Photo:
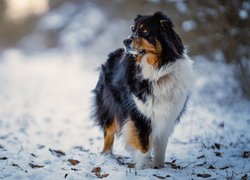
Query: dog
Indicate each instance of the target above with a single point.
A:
(143, 89)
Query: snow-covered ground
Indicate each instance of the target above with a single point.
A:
(45, 101)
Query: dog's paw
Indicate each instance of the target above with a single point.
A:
(140, 165)
(143, 163)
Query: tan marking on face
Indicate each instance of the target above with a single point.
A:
(153, 60)
(144, 44)
(133, 137)
(153, 51)
(109, 136)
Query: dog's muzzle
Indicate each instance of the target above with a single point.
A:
(129, 49)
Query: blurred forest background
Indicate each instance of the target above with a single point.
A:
(218, 30)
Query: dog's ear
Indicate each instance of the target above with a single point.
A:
(172, 46)
(163, 19)
(138, 17)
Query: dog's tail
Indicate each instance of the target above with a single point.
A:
(103, 107)
(100, 111)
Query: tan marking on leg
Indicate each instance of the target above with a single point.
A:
(133, 137)
(109, 137)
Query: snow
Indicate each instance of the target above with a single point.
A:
(45, 101)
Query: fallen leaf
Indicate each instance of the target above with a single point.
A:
(168, 176)
(103, 176)
(120, 161)
(160, 177)
(173, 161)
(173, 165)
(3, 158)
(40, 146)
(5, 136)
(204, 175)
(211, 167)
(218, 154)
(65, 175)
(34, 166)
(200, 157)
(244, 177)
(96, 169)
(74, 169)
(16, 165)
(225, 167)
(33, 155)
(57, 153)
(202, 164)
(73, 161)
(80, 148)
(131, 165)
(246, 154)
(98, 174)
(217, 145)
(221, 125)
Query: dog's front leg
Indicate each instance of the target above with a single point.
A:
(142, 160)
(159, 150)
(138, 140)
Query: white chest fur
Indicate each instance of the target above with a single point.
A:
(171, 85)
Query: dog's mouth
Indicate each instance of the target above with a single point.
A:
(129, 49)
(133, 51)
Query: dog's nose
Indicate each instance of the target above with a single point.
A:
(127, 41)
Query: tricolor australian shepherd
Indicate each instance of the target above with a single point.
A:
(143, 89)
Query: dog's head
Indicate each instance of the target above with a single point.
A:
(154, 35)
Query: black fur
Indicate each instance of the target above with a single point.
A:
(113, 97)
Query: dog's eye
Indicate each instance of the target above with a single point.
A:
(145, 32)
(132, 27)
